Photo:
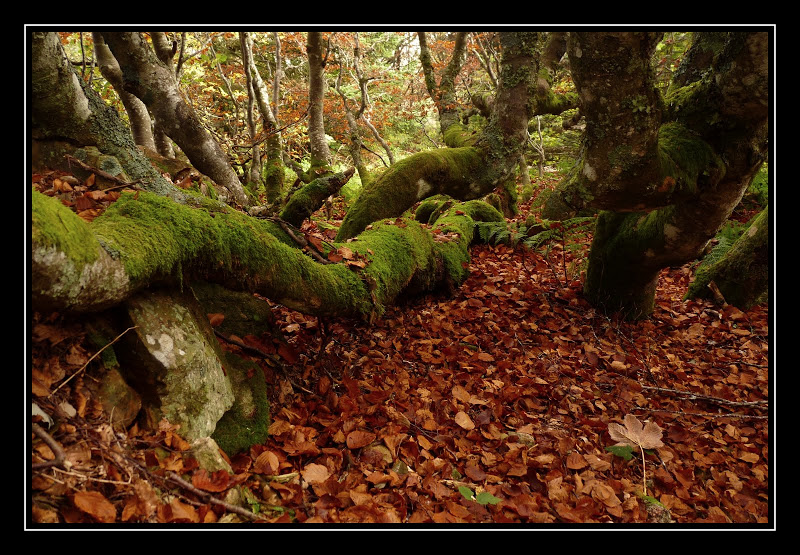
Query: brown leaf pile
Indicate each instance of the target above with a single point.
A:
(510, 387)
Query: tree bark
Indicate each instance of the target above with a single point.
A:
(141, 124)
(254, 174)
(443, 93)
(274, 178)
(678, 166)
(154, 83)
(318, 144)
(67, 113)
(742, 275)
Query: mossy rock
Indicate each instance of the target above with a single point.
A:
(247, 422)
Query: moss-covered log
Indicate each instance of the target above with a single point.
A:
(742, 274)
(144, 239)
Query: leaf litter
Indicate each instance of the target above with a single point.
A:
(496, 404)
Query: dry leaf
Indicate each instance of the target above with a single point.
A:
(216, 481)
(463, 420)
(216, 319)
(96, 505)
(315, 473)
(267, 463)
(635, 434)
(357, 439)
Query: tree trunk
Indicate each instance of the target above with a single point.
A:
(320, 154)
(274, 177)
(679, 165)
(742, 275)
(141, 124)
(154, 83)
(254, 174)
(443, 94)
(66, 114)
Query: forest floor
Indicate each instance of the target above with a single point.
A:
(488, 405)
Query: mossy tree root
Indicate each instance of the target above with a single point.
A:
(144, 239)
(456, 172)
(310, 197)
(742, 274)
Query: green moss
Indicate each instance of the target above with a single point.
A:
(395, 253)
(613, 281)
(451, 171)
(247, 422)
(459, 135)
(740, 271)
(427, 208)
(53, 224)
(685, 158)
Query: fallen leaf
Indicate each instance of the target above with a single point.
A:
(95, 505)
(463, 420)
(576, 461)
(216, 481)
(358, 438)
(215, 319)
(635, 434)
(315, 473)
(266, 463)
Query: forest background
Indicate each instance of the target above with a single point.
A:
(551, 465)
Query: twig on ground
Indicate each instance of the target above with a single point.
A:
(695, 396)
(207, 497)
(60, 457)
(94, 356)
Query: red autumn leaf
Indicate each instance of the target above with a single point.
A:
(287, 353)
(358, 438)
(218, 480)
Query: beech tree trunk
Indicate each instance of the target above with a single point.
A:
(443, 93)
(146, 76)
(141, 124)
(320, 154)
(669, 170)
(67, 114)
(274, 177)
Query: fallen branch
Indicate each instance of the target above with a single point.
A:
(208, 498)
(122, 183)
(708, 414)
(695, 396)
